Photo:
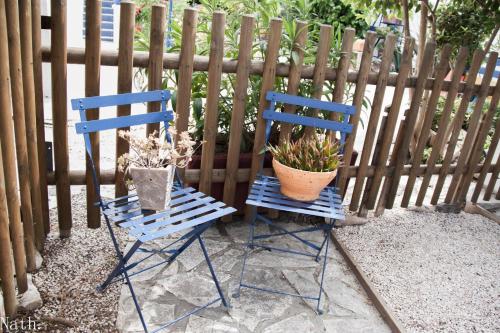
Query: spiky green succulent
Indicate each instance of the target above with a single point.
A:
(308, 154)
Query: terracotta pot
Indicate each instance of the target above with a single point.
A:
(154, 186)
(302, 185)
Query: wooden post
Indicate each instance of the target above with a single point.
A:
(59, 114)
(363, 209)
(30, 111)
(6, 271)
(342, 69)
(212, 106)
(296, 69)
(423, 73)
(487, 163)
(92, 88)
(186, 59)
(18, 107)
(477, 151)
(359, 93)
(371, 131)
(443, 123)
(392, 119)
(124, 85)
(238, 115)
(155, 67)
(40, 118)
(477, 59)
(9, 158)
(268, 76)
(472, 130)
(441, 71)
(320, 67)
(493, 181)
(387, 181)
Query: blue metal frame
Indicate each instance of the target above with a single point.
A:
(190, 211)
(265, 191)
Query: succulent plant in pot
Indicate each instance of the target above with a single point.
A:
(151, 165)
(305, 167)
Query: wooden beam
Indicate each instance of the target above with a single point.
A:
(379, 303)
(60, 114)
(107, 177)
(200, 64)
(92, 88)
(9, 158)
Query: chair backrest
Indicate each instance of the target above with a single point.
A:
(271, 114)
(86, 127)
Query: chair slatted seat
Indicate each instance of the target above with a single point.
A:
(189, 212)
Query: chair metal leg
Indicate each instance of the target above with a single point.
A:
(327, 237)
(214, 277)
(120, 267)
(247, 248)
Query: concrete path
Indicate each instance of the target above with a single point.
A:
(169, 292)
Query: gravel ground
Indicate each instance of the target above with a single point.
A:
(438, 272)
(71, 271)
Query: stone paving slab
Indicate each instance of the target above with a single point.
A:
(166, 293)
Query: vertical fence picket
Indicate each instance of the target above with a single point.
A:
(342, 69)
(359, 93)
(155, 66)
(92, 88)
(6, 271)
(411, 119)
(40, 118)
(185, 79)
(60, 114)
(477, 59)
(392, 118)
(124, 85)
(18, 107)
(430, 110)
(443, 123)
(30, 112)
(486, 163)
(294, 74)
(493, 181)
(268, 77)
(387, 181)
(320, 66)
(212, 106)
(371, 130)
(238, 114)
(477, 151)
(472, 129)
(9, 158)
(363, 209)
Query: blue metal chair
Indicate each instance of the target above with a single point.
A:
(190, 211)
(265, 191)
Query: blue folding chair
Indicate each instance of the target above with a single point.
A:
(189, 211)
(265, 191)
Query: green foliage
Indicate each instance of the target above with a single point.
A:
(371, 9)
(339, 14)
(264, 10)
(308, 154)
(465, 22)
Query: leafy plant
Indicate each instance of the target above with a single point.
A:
(264, 10)
(465, 22)
(308, 154)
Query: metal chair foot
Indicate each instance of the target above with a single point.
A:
(236, 294)
(320, 312)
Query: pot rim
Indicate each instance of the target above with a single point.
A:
(311, 172)
(144, 168)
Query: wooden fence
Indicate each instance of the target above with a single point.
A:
(390, 148)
